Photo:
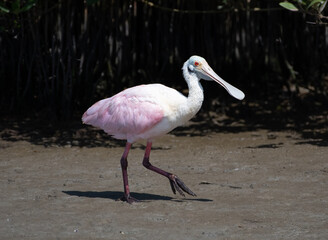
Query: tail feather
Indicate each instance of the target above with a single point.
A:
(91, 115)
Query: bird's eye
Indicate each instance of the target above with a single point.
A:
(196, 64)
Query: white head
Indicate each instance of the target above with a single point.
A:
(200, 67)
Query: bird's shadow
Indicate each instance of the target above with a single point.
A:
(116, 195)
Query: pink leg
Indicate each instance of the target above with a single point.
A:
(175, 182)
(124, 166)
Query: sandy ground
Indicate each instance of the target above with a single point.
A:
(257, 184)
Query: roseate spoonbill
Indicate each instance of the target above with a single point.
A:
(149, 111)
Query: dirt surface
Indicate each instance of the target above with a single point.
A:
(257, 184)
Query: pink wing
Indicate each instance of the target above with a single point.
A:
(124, 115)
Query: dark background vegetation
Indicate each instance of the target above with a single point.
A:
(59, 57)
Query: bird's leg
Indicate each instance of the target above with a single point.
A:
(124, 166)
(175, 182)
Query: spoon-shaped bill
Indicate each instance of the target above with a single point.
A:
(233, 91)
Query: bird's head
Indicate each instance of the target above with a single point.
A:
(200, 67)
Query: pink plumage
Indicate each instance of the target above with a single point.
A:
(126, 115)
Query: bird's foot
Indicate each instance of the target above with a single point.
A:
(127, 198)
(178, 185)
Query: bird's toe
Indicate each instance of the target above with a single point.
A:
(128, 199)
(178, 185)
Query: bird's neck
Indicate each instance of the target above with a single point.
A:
(196, 95)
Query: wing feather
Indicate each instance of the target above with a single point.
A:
(125, 115)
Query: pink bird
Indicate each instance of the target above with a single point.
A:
(146, 112)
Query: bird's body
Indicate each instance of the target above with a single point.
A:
(149, 111)
(145, 111)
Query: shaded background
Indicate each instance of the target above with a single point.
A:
(59, 57)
